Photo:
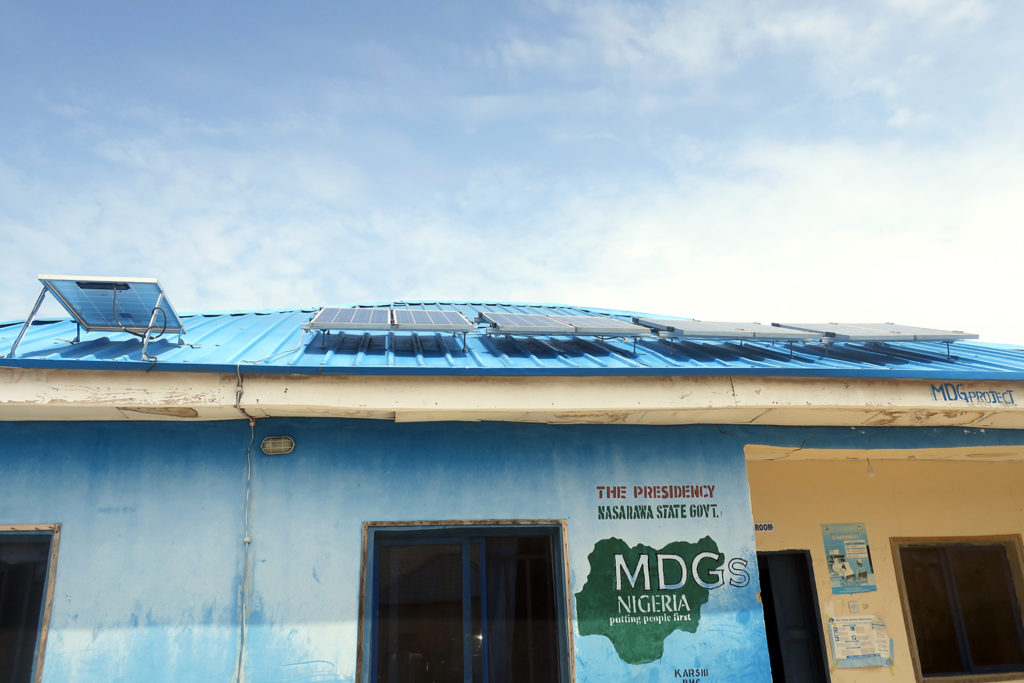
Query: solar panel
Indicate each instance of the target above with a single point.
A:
(426, 320)
(114, 303)
(704, 329)
(331, 318)
(601, 325)
(877, 332)
(524, 323)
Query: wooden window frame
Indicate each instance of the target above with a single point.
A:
(365, 625)
(1014, 545)
(51, 573)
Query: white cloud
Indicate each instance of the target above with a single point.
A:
(840, 49)
(945, 11)
(68, 111)
(904, 118)
(679, 41)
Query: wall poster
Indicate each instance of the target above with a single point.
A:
(849, 558)
(859, 641)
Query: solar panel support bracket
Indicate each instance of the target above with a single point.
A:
(146, 338)
(28, 321)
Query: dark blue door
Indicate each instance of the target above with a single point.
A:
(796, 644)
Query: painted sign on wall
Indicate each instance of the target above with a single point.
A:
(966, 394)
(637, 596)
(670, 581)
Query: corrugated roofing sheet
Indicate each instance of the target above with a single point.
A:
(274, 342)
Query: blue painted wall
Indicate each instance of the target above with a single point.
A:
(152, 563)
(149, 559)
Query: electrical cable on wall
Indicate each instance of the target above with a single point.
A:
(246, 537)
(247, 562)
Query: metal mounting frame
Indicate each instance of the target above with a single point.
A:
(146, 335)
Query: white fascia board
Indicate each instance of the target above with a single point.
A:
(36, 394)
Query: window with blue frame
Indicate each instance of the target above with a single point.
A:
(466, 604)
(26, 566)
(963, 599)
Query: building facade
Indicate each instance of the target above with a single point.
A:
(270, 502)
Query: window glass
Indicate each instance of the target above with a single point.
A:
(964, 607)
(23, 564)
(988, 604)
(476, 611)
(521, 615)
(930, 608)
(420, 613)
(474, 604)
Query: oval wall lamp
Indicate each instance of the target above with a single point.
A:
(278, 445)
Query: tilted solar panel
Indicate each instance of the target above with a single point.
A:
(114, 303)
(428, 320)
(705, 329)
(524, 323)
(601, 325)
(332, 318)
(877, 332)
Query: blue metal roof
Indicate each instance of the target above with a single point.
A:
(265, 342)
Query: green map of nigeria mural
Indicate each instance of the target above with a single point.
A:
(637, 596)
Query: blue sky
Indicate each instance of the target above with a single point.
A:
(760, 161)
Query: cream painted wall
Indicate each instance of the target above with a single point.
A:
(903, 499)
